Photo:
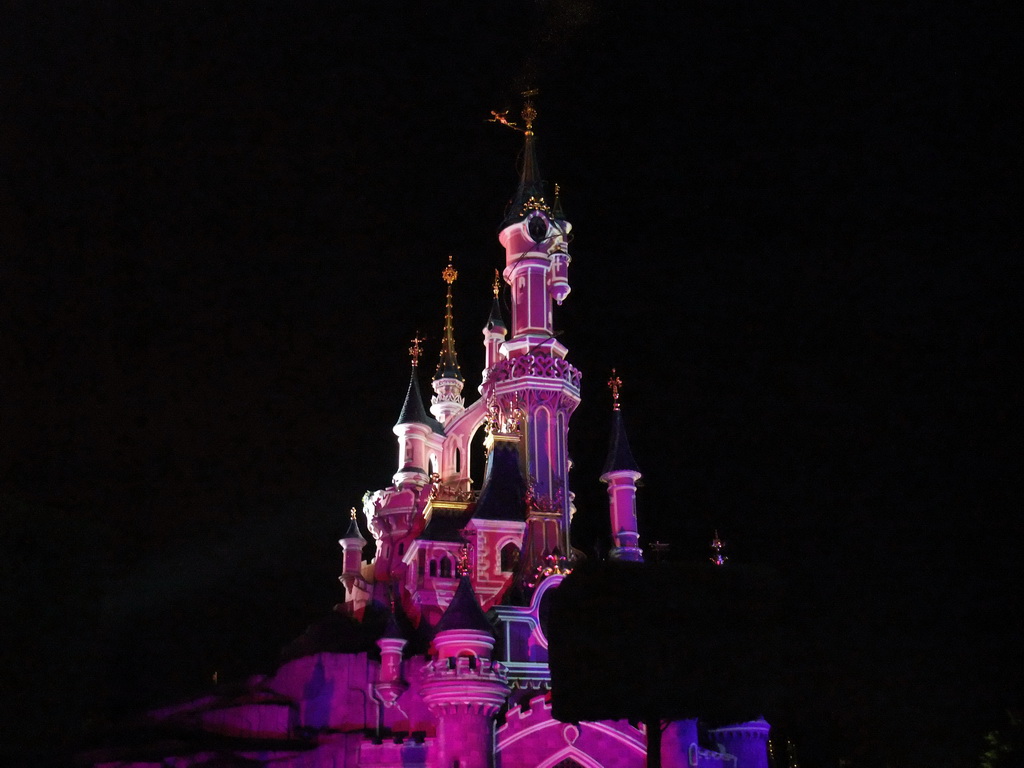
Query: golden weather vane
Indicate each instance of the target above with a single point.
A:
(529, 114)
(415, 350)
(613, 384)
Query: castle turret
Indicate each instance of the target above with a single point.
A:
(494, 333)
(463, 686)
(447, 401)
(621, 474)
(414, 430)
(390, 684)
(533, 380)
(352, 544)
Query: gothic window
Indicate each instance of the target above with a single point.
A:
(446, 568)
(509, 557)
(458, 460)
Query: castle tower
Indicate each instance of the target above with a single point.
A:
(621, 474)
(494, 333)
(534, 378)
(463, 686)
(390, 684)
(447, 401)
(352, 544)
(414, 430)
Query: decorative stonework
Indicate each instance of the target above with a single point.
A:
(537, 366)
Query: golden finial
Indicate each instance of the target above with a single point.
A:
(414, 350)
(352, 514)
(496, 287)
(450, 274)
(613, 384)
(462, 566)
(529, 113)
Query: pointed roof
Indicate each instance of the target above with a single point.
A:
(503, 496)
(413, 411)
(495, 322)
(464, 611)
(391, 629)
(353, 531)
(620, 457)
(448, 365)
(530, 192)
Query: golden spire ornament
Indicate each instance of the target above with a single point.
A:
(613, 384)
(450, 275)
(496, 287)
(415, 350)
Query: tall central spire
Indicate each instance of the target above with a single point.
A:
(530, 193)
(448, 365)
(448, 381)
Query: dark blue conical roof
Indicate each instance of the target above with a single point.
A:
(620, 457)
(464, 611)
(503, 496)
(413, 411)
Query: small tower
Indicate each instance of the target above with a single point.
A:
(448, 401)
(621, 474)
(390, 684)
(494, 333)
(352, 544)
(414, 430)
(463, 686)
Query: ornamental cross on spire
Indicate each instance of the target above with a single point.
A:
(613, 384)
(415, 350)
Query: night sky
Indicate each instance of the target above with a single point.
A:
(797, 240)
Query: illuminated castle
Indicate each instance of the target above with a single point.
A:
(438, 655)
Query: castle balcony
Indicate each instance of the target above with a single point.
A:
(536, 369)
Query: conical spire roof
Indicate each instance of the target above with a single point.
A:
(620, 457)
(413, 411)
(448, 365)
(530, 192)
(464, 611)
(503, 496)
(353, 531)
(495, 322)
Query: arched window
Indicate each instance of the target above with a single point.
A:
(433, 567)
(458, 460)
(509, 557)
(446, 568)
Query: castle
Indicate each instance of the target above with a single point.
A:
(438, 655)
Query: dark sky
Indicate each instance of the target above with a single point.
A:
(797, 239)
